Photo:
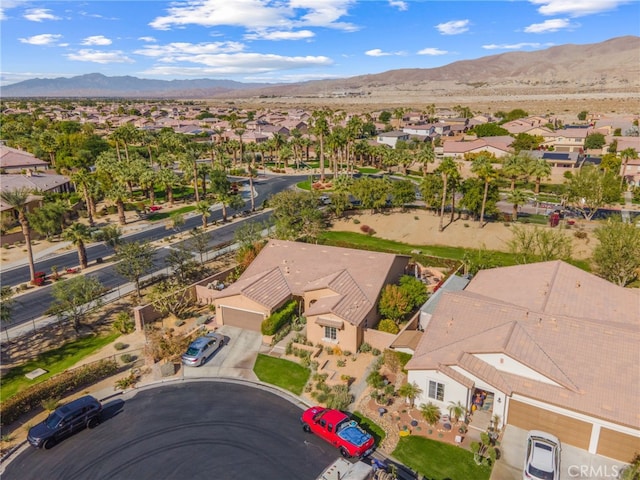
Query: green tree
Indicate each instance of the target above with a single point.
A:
(389, 326)
(385, 116)
(394, 303)
(450, 175)
(595, 141)
(372, 192)
(134, 260)
(617, 255)
(200, 242)
(484, 170)
(473, 197)
(17, 200)
(410, 391)
(539, 244)
(6, 303)
(626, 154)
(514, 167)
(516, 197)
(430, 188)
(319, 127)
(525, 141)
(403, 192)
(296, 215)
(74, 299)
(590, 189)
(538, 169)
(182, 265)
(202, 207)
(414, 289)
(78, 234)
(582, 116)
(171, 297)
(49, 219)
(490, 130)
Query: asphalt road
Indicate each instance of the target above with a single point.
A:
(34, 304)
(186, 431)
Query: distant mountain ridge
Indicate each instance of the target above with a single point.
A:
(612, 65)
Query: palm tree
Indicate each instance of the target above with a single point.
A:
(539, 169)
(456, 410)
(513, 167)
(202, 208)
(411, 391)
(17, 200)
(168, 179)
(626, 154)
(517, 197)
(482, 167)
(78, 233)
(320, 128)
(87, 183)
(430, 412)
(447, 169)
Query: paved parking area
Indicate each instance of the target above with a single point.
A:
(235, 359)
(575, 463)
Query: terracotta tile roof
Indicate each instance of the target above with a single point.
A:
(284, 268)
(14, 158)
(581, 343)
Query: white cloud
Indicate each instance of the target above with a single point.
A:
(42, 39)
(454, 27)
(432, 51)
(39, 15)
(576, 8)
(399, 4)
(8, 5)
(256, 14)
(280, 35)
(97, 56)
(515, 46)
(239, 63)
(96, 40)
(176, 51)
(147, 39)
(376, 52)
(552, 25)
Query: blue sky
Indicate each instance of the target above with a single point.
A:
(287, 40)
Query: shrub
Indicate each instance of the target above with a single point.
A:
(388, 326)
(55, 387)
(376, 352)
(581, 234)
(124, 323)
(365, 228)
(179, 322)
(356, 221)
(279, 318)
(341, 363)
(340, 397)
(127, 358)
(127, 382)
(365, 348)
(50, 404)
(120, 346)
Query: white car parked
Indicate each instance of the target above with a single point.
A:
(543, 457)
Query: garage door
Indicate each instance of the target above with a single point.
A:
(617, 445)
(568, 430)
(242, 318)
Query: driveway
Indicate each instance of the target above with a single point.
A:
(575, 463)
(235, 359)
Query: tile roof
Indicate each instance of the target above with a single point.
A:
(284, 268)
(578, 333)
(14, 158)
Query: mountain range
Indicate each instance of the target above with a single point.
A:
(609, 66)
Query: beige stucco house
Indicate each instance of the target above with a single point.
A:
(552, 347)
(337, 289)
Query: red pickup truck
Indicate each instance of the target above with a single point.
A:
(338, 429)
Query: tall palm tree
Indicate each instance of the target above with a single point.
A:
(168, 179)
(447, 170)
(202, 208)
(516, 197)
(17, 200)
(78, 233)
(484, 170)
(87, 183)
(513, 167)
(626, 155)
(539, 169)
(319, 127)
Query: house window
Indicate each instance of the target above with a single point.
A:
(436, 390)
(331, 333)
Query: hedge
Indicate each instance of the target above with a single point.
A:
(279, 318)
(58, 386)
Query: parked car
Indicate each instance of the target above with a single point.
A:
(543, 457)
(64, 421)
(202, 348)
(337, 428)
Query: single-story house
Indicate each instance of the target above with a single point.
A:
(548, 346)
(13, 160)
(338, 289)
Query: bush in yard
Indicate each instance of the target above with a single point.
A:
(120, 346)
(389, 326)
(127, 358)
(58, 386)
(340, 397)
(124, 323)
(365, 348)
(278, 319)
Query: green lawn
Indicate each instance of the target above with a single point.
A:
(160, 215)
(370, 426)
(380, 244)
(439, 461)
(54, 361)
(281, 373)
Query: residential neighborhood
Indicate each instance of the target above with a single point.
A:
(468, 347)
